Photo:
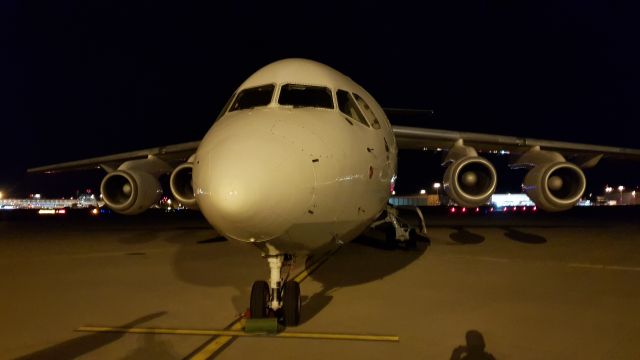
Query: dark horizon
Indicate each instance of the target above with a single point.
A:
(86, 80)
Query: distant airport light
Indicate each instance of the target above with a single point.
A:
(621, 188)
(535, 208)
(393, 192)
(36, 196)
(608, 189)
(633, 193)
(464, 210)
(94, 212)
(453, 210)
(1, 194)
(423, 191)
(477, 209)
(436, 186)
(46, 211)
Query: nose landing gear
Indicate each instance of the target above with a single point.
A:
(280, 297)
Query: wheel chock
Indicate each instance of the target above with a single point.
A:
(261, 326)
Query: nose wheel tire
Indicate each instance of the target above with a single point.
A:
(259, 305)
(291, 303)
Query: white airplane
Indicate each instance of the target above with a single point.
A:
(301, 156)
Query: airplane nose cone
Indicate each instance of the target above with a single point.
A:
(253, 189)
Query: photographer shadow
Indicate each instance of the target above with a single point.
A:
(474, 349)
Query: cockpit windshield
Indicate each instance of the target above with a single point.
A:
(305, 96)
(253, 97)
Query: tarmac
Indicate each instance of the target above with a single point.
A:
(523, 285)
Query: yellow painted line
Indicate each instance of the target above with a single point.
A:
(232, 333)
(219, 342)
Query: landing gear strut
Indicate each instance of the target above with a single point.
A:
(397, 231)
(279, 297)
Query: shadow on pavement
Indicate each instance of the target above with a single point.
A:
(465, 237)
(473, 350)
(85, 344)
(523, 237)
(361, 261)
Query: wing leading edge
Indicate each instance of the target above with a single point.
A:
(420, 138)
(172, 154)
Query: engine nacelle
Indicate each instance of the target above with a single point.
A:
(181, 183)
(134, 186)
(555, 186)
(130, 192)
(470, 181)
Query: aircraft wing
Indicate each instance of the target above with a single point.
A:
(171, 154)
(420, 138)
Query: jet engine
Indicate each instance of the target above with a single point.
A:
(553, 183)
(134, 186)
(181, 185)
(469, 180)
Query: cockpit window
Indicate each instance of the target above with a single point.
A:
(348, 107)
(226, 106)
(305, 96)
(253, 97)
(368, 112)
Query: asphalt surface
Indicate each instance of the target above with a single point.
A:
(532, 286)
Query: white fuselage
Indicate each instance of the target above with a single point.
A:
(297, 177)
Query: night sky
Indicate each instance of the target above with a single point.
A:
(89, 78)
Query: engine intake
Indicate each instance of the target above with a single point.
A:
(470, 181)
(130, 192)
(181, 183)
(556, 186)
